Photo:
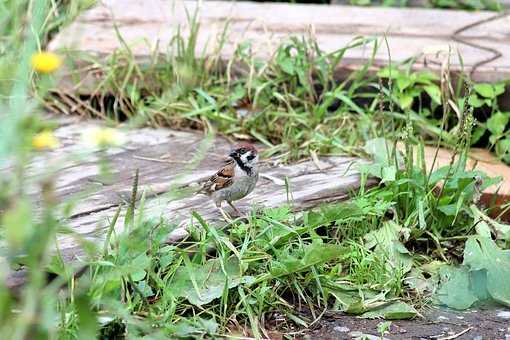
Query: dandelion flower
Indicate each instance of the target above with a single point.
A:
(45, 140)
(46, 62)
(103, 137)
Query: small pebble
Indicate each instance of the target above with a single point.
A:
(341, 329)
(440, 317)
(460, 317)
(507, 336)
(505, 314)
(356, 334)
(478, 337)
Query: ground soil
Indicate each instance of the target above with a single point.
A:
(445, 324)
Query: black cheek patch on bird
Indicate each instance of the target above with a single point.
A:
(243, 166)
(251, 157)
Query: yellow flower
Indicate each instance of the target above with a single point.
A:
(102, 137)
(45, 140)
(46, 62)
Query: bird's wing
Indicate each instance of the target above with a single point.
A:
(220, 180)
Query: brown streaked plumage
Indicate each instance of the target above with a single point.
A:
(236, 179)
(220, 180)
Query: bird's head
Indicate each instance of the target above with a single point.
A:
(246, 154)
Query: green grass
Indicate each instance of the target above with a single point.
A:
(386, 252)
(292, 103)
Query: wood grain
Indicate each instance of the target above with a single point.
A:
(410, 32)
(162, 157)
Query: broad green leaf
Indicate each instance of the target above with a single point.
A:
(285, 61)
(201, 284)
(381, 150)
(475, 101)
(192, 327)
(455, 291)
(493, 139)
(367, 300)
(138, 275)
(426, 77)
(386, 240)
(448, 209)
(485, 90)
(344, 298)
(482, 253)
(499, 89)
(389, 174)
(313, 254)
(393, 311)
(478, 132)
(279, 214)
(497, 122)
(485, 270)
(372, 170)
(389, 72)
(485, 226)
(237, 94)
(503, 147)
(141, 262)
(479, 284)
(383, 236)
(369, 304)
(287, 65)
(405, 101)
(434, 92)
(403, 82)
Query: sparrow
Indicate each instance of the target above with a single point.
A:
(235, 180)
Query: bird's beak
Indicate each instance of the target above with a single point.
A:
(233, 154)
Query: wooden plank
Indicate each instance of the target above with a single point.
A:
(414, 3)
(162, 157)
(410, 32)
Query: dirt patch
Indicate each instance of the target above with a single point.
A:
(480, 323)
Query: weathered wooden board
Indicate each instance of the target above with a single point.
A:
(481, 38)
(163, 157)
(416, 3)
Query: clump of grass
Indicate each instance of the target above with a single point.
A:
(354, 256)
(294, 103)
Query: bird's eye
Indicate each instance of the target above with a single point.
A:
(242, 150)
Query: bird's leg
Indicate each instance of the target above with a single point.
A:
(226, 217)
(235, 209)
